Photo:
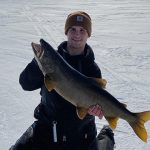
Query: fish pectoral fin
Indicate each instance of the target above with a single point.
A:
(112, 121)
(81, 112)
(49, 83)
(101, 82)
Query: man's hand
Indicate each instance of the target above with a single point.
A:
(96, 110)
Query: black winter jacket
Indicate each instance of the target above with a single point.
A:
(53, 106)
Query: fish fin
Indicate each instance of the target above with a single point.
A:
(81, 112)
(101, 82)
(112, 121)
(125, 105)
(49, 83)
(138, 125)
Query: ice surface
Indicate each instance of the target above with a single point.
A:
(120, 40)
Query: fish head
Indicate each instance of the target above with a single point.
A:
(44, 54)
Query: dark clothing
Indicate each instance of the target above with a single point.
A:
(106, 139)
(72, 133)
(40, 137)
(37, 137)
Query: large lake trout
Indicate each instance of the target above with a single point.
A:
(83, 91)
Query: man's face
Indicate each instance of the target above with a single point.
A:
(77, 37)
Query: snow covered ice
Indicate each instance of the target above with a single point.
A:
(120, 40)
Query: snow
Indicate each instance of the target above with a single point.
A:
(121, 42)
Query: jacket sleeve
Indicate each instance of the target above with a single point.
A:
(31, 78)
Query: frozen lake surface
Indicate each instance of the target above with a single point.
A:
(120, 40)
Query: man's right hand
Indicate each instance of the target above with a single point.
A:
(96, 110)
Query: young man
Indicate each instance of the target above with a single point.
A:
(57, 126)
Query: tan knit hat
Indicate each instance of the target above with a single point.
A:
(79, 18)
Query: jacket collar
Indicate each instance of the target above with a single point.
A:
(88, 52)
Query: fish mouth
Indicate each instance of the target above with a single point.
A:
(37, 48)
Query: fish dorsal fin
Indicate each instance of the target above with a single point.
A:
(125, 105)
(49, 83)
(81, 112)
(101, 82)
(112, 121)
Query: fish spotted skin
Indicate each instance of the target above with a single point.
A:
(83, 91)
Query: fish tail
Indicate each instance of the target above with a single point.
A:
(138, 125)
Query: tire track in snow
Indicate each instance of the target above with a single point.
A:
(41, 27)
(124, 79)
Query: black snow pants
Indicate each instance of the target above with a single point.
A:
(37, 137)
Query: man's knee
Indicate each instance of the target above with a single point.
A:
(106, 139)
(12, 148)
(24, 141)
